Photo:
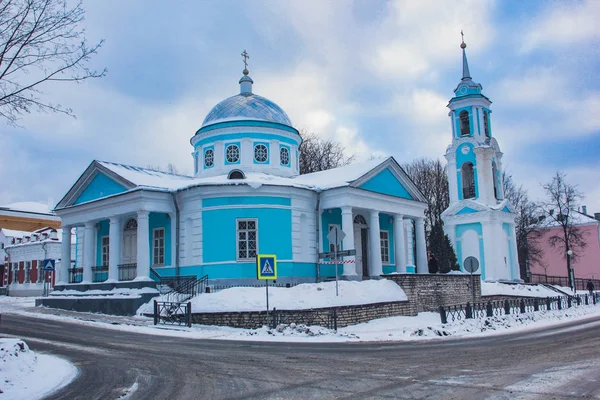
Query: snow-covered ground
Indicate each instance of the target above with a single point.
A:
(300, 297)
(27, 375)
(504, 289)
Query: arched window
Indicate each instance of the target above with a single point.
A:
(232, 153)
(131, 225)
(496, 178)
(261, 153)
(209, 158)
(486, 124)
(465, 126)
(468, 180)
(284, 156)
(236, 174)
(360, 220)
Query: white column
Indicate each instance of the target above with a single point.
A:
(65, 256)
(452, 179)
(516, 272)
(489, 252)
(375, 244)
(399, 244)
(485, 182)
(173, 218)
(321, 233)
(114, 246)
(421, 247)
(348, 228)
(143, 246)
(89, 244)
(450, 230)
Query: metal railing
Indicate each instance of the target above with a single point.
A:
(100, 274)
(516, 306)
(173, 313)
(127, 272)
(580, 283)
(75, 275)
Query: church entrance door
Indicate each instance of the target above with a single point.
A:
(129, 252)
(361, 245)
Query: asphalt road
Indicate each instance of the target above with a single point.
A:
(556, 363)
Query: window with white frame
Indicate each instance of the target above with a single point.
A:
(158, 247)
(27, 271)
(261, 153)
(247, 238)
(232, 153)
(384, 239)
(332, 245)
(105, 250)
(209, 158)
(284, 156)
(40, 269)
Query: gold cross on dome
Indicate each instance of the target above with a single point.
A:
(245, 56)
(463, 35)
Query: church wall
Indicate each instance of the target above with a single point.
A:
(386, 224)
(102, 229)
(511, 258)
(332, 216)
(469, 242)
(160, 220)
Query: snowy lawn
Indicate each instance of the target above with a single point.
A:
(300, 297)
(26, 375)
(504, 289)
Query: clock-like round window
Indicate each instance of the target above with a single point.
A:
(232, 153)
(209, 158)
(284, 156)
(261, 154)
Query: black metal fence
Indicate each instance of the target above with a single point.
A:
(172, 313)
(517, 306)
(75, 275)
(580, 283)
(100, 274)
(326, 318)
(127, 272)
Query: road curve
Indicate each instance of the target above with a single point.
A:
(554, 363)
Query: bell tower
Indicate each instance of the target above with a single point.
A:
(479, 221)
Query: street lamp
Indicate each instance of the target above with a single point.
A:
(570, 270)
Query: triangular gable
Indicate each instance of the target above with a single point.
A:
(95, 183)
(506, 209)
(100, 186)
(390, 179)
(466, 210)
(386, 183)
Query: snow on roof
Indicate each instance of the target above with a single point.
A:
(14, 233)
(147, 177)
(576, 217)
(29, 206)
(337, 177)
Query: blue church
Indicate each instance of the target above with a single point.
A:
(246, 198)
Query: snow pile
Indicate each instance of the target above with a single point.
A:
(510, 289)
(114, 293)
(26, 375)
(300, 297)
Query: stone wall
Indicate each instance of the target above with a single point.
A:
(344, 315)
(430, 291)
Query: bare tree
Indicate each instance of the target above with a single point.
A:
(431, 179)
(318, 154)
(527, 227)
(41, 41)
(560, 210)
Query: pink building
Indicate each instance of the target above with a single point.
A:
(554, 262)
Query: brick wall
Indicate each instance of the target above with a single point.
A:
(430, 291)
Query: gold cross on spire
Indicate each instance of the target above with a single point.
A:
(463, 44)
(245, 56)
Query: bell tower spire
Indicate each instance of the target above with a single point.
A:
(463, 46)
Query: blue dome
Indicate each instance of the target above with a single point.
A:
(247, 105)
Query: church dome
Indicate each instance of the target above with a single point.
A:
(247, 105)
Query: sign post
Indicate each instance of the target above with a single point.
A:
(49, 266)
(266, 269)
(336, 235)
(472, 265)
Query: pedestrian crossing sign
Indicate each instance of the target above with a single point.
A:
(266, 266)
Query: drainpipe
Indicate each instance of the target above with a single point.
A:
(174, 195)
(317, 225)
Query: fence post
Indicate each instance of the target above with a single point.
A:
(489, 309)
(189, 314)
(506, 307)
(443, 315)
(578, 300)
(569, 302)
(536, 305)
(335, 319)
(559, 302)
(469, 311)
(522, 306)
(586, 300)
(548, 304)
(155, 312)
(594, 298)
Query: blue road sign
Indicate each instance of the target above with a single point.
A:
(266, 266)
(49, 265)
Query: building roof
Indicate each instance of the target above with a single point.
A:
(247, 106)
(28, 207)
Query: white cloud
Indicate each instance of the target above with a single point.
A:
(563, 24)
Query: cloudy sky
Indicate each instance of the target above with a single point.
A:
(375, 75)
